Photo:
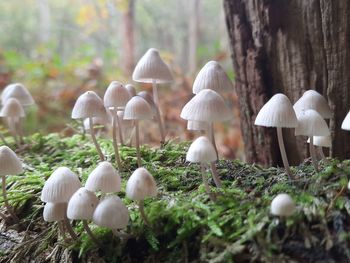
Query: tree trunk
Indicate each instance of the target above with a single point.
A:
(128, 39)
(193, 23)
(289, 47)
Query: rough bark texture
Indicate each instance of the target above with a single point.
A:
(289, 47)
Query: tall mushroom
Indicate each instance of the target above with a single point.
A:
(115, 99)
(141, 185)
(90, 105)
(56, 212)
(311, 123)
(138, 109)
(131, 89)
(278, 112)
(9, 165)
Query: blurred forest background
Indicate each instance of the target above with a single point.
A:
(60, 48)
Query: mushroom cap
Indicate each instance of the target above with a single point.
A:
(277, 112)
(322, 141)
(12, 108)
(82, 204)
(140, 185)
(349, 185)
(149, 98)
(96, 121)
(206, 106)
(60, 186)
(138, 109)
(131, 89)
(212, 76)
(197, 125)
(19, 92)
(111, 213)
(116, 95)
(104, 178)
(312, 100)
(151, 68)
(10, 164)
(125, 123)
(282, 205)
(201, 151)
(346, 122)
(311, 123)
(89, 104)
(55, 212)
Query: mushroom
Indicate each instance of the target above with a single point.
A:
(311, 123)
(19, 92)
(149, 99)
(59, 188)
(56, 212)
(212, 76)
(125, 126)
(282, 205)
(278, 112)
(101, 123)
(201, 126)
(81, 206)
(131, 89)
(312, 100)
(111, 213)
(90, 105)
(115, 99)
(346, 122)
(104, 178)
(137, 109)
(9, 165)
(141, 185)
(322, 141)
(13, 112)
(203, 152)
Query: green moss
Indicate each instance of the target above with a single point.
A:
(185, 223)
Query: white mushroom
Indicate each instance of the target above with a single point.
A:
(282, 205)
(322, 141)
(19, 92)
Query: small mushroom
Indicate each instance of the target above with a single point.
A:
(346, 122)
(81, 206)
(104, 178)
(201, 126)
(282, 205)
(141, 185)
(19, 92)
(278, 112)
(90, 105)
(9, 165)
(322, 141)
(311, 123)
(138, 109)
(56, 212)
(125, 126)
(203, 152)
(100, 125)
(131, 89)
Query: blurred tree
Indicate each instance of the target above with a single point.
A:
(289, 47)
(193, 28)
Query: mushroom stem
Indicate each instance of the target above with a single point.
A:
(283, 152)
(115, 143)
(70, 229)
(92, 132)
(120, 129)
(313, 153)
(320, 151)
(158, 112)
(20, 130)
(137, 135)
(143, 214)
(205, 181)
(212, 137)
(155, 92)
(12, 127)
(63, 232)
(6, 202)
(216, 177)
(89, 232)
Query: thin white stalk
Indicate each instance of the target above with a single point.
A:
(283, 152)
(211, 137)
(158, 111)
(89, 232)
(137, 136)
(320, 151)
(313, 153)
(92, 132)
(70, 229)
(120, 129)
(205, 181)
(143, 214)
(216, 177)
(155, 92)
(115, 142)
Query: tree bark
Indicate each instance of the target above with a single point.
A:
(128, 39)
(193, 31)
(289, 47)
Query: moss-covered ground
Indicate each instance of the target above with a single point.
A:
(186, 225)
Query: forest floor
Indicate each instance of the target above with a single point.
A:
(186, 226)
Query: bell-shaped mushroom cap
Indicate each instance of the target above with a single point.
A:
(311, 123)
(282, 205)
(349, 185)
(151, 68)
(312, 100)
(88, 105)
(111, 213)
(277, 112)
(322, 141)
(212, 76)
(138, 109)
(140, 185)
(9, 162)
(346, 122)
(206, 106)
(12, 108)
(125, 123)
(82, 204)
(55, 212)
(201, 151)
(19, 92)
(131, 89)
(197, 125)
(116, 95)
(60, 186)
(148, 97)
(104, 178)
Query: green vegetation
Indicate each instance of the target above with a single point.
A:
(186, 225)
